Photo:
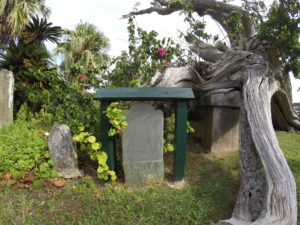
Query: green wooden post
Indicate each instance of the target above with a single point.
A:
(107, 142)
(180, 139)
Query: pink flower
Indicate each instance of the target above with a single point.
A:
(81, 76)
(161, 52)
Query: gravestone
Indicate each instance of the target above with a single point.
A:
(62, 152)
(142, 144)
(6, 97)
(216, 122)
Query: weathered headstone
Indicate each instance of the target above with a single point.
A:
(6, 97)
(142, 144)
(62, 151)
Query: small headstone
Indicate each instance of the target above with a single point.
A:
(142, 144)
(62, 152)
(6, 97)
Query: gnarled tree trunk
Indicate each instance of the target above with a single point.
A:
(268, 191)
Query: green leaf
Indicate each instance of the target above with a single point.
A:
(124, 124)
(78, 138)
(81, 128)
(95, 146)
(170, 148)
(91, 139)
(51, 162)
(112, 132)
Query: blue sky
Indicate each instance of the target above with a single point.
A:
(106, 14)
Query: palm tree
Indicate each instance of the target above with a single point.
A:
(27, 57)
(86, 46)
(16, 14)
(40, 30)
(28, 50)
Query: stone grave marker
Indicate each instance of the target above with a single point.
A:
(6, 97)
(62, 151)
(142, 144)
(217, 122)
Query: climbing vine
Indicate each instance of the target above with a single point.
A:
(169, 130)
(89, 144)
(117, 119)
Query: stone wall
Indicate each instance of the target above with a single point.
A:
(6, 97)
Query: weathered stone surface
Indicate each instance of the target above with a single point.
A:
(6, 97)
(216, 122)
(230, 99)
(142, 144)
(62, 151)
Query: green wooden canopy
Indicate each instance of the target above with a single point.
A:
(144, 94)
(180, 95)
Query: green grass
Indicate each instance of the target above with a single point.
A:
(209, 195)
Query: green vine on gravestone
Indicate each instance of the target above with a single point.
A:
(116, 117)
(89, 144)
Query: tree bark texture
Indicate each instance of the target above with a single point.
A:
(268, 191)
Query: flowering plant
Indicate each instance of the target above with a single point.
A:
(81, 76)
(162, 52)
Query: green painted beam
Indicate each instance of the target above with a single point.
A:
(144, 94)
(180, 139)
(108, 144)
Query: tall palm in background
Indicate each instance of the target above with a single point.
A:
(16, 14)
(28, 51)
(86, 47)
(28, 58)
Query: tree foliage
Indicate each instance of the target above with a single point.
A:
(146, 54)
(16, 14)
(26, 56)
(281, 30)
(86, 46)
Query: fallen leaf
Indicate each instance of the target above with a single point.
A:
(50, 181)
(59, 183)
(22, 185)
(7, 176)
(28, 179)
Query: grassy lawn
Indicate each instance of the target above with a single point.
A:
(209, 195)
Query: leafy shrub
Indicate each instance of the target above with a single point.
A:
(117, 119)
(89, 144)
(146, 54)
(23, 150)
(73, 107)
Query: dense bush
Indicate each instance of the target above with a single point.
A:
(23, 150)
